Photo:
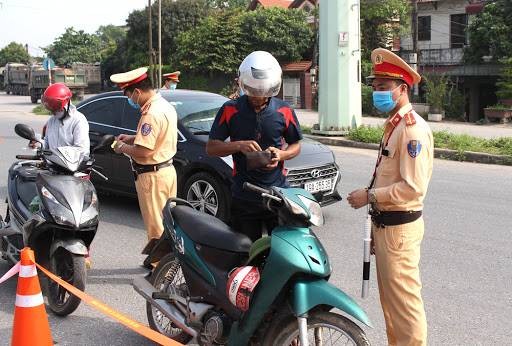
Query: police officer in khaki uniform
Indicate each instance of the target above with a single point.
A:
(151, 149)
(395, 194)
(171, 80)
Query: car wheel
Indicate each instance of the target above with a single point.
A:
(207, 193)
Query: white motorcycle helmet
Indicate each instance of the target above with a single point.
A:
(260, 75)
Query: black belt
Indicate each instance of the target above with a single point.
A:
(141, 169)
(393, 218)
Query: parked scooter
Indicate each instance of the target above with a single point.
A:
(52, 208)
(278, 294)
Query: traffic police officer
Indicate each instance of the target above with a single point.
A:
(151, 149)
(396, 193)
(171, 80)
(256, 122)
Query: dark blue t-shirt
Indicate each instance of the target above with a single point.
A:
(273, 126)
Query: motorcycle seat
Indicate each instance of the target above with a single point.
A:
(207, 230)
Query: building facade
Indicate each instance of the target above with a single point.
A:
(442, 37)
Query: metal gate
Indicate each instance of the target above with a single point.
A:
(291, 91)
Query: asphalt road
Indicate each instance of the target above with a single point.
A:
(466, 259)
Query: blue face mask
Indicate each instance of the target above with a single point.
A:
(383, 100)
(241, 92)
(133, 104)
(173, 86)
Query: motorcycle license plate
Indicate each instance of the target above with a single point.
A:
(318, 185)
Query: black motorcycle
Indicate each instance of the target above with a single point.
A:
(53, 209)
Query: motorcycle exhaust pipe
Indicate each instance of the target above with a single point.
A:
(146, 290)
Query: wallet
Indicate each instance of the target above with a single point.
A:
(258, 159)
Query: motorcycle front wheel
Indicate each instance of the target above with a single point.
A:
(324, 328)
(167, 273)
(70, 268)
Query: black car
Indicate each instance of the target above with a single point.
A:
(202, 180)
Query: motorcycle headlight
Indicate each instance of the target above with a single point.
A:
(60, 213)
(296, 208)
(90, 209)
(315, 211)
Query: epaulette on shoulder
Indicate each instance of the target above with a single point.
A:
(409, 119)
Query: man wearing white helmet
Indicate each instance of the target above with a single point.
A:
(256, 122)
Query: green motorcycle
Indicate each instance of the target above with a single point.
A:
(213, 285)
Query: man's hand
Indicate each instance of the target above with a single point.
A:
(34, 145)
(248, 146)
(117, 147)
(128, 139)
(358, 198)
(277, 155)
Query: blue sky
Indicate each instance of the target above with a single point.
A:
(38, 22)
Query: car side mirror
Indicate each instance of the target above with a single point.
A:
(105, 141)
(25, 131)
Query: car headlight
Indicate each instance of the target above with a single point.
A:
(60, 213)
(315, 211)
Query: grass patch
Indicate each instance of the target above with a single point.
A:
(445, 140)
(40, 110)
(305, 129)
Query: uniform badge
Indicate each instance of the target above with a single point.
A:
(379, 59)
(414, 148)
(145, 129)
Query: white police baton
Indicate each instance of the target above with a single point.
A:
(367, 241)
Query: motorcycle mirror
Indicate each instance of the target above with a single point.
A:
(105, 141)
(25, 131)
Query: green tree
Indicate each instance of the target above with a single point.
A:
(75, 46)
(113, 48)
(177, 16)
(228, 3)
(490, 33)
(284, 33)
(221, 41)
(214, 46)
(13, 52)
(505, 83)
(381, 20)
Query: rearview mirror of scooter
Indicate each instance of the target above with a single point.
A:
(105, 142)
(25, 131)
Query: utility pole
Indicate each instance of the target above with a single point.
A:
(159, 43)
(150, 43)
(340, 67)
(414, 30)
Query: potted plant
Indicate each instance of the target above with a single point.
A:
(436, 87)
(499, 111)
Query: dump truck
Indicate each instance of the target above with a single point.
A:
(38, 81)
(16, 78)
(92, 73)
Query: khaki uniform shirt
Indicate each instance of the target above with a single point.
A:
(157, 131)
(403, 175)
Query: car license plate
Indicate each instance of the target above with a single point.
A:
(318, 185)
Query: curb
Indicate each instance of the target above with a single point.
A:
(447, 154)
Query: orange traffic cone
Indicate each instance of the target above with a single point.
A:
(31, 326)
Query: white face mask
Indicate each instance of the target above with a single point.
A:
(59, 114)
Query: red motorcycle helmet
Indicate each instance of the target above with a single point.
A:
(56, 97)
(241, 284)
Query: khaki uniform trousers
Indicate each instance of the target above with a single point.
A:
(153, 191)
(397, 254)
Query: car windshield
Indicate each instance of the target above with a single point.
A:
(197, 113)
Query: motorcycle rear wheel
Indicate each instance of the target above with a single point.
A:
(167, 272)
(71, 268)
(324, 328)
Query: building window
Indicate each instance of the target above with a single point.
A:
(458, 25)
(424, 28)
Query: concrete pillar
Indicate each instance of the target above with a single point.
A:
(340, 67)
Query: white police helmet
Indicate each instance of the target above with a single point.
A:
(260, 74)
